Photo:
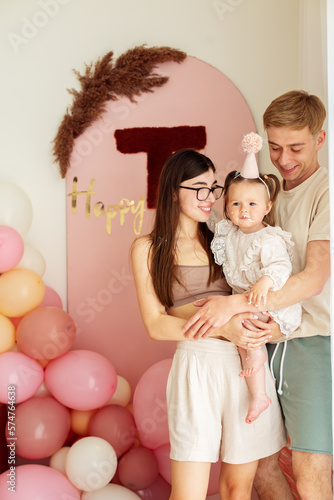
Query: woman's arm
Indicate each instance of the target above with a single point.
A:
(161, 326)
(158, 324)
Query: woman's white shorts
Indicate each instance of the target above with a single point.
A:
(208, 403)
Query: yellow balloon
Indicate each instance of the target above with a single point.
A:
(7, 334)
(21, 291)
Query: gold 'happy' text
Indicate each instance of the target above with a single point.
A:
(110, 211)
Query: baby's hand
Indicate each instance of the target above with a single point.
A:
(257, 296)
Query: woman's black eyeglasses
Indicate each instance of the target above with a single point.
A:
(204, 193)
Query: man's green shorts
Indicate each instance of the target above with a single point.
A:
(304, 376)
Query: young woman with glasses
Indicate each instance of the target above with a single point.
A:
(173, 266)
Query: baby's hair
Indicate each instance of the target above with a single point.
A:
(270, 180)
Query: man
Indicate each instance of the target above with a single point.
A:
(302, 365)
(294, 123)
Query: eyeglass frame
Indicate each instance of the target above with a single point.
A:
(211, 190)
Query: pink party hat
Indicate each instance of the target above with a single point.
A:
(251, 144)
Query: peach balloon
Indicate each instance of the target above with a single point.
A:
(21, 291)
(21, 372)
(122, 395)
(46, 333)
(80, 420)
(43, 362)
(7, 334)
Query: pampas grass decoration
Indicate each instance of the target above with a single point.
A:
(131, 75)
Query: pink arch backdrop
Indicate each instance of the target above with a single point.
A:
(107, 193)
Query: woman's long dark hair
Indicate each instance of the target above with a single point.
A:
(183, 165)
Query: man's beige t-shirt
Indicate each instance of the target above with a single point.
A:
(304, 212)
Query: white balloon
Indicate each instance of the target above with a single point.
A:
(32, 259)
(58, 459)
(15, 208)
(111, 492)
(91, 463)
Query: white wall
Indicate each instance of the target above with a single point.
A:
(255, 43)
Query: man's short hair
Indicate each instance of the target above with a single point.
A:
(296, 109)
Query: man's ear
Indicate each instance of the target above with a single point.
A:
(321, 139)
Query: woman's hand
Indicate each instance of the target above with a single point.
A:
(214, 312)
(242, 331)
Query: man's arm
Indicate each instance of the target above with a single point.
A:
(304, 285)
(309, 282)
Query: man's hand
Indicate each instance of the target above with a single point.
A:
(272, 327)
(246, 331)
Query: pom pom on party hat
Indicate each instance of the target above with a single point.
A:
(251, 144)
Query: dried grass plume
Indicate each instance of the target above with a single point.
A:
(131, 75)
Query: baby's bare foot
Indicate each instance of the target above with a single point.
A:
(253, 363)
(256, 407)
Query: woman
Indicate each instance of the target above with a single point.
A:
(207, 400)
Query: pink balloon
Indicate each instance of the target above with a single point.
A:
(116, 425)
(160, 489)
(164, 465)
(11, 248)
(150, 407)
(51, 298)
(40, 428)
(81, 380)
(32, 482)
(46, 333)
(20, 373)
(138, 468)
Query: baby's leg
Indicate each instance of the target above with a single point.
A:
(252, 361)
(256, 385)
